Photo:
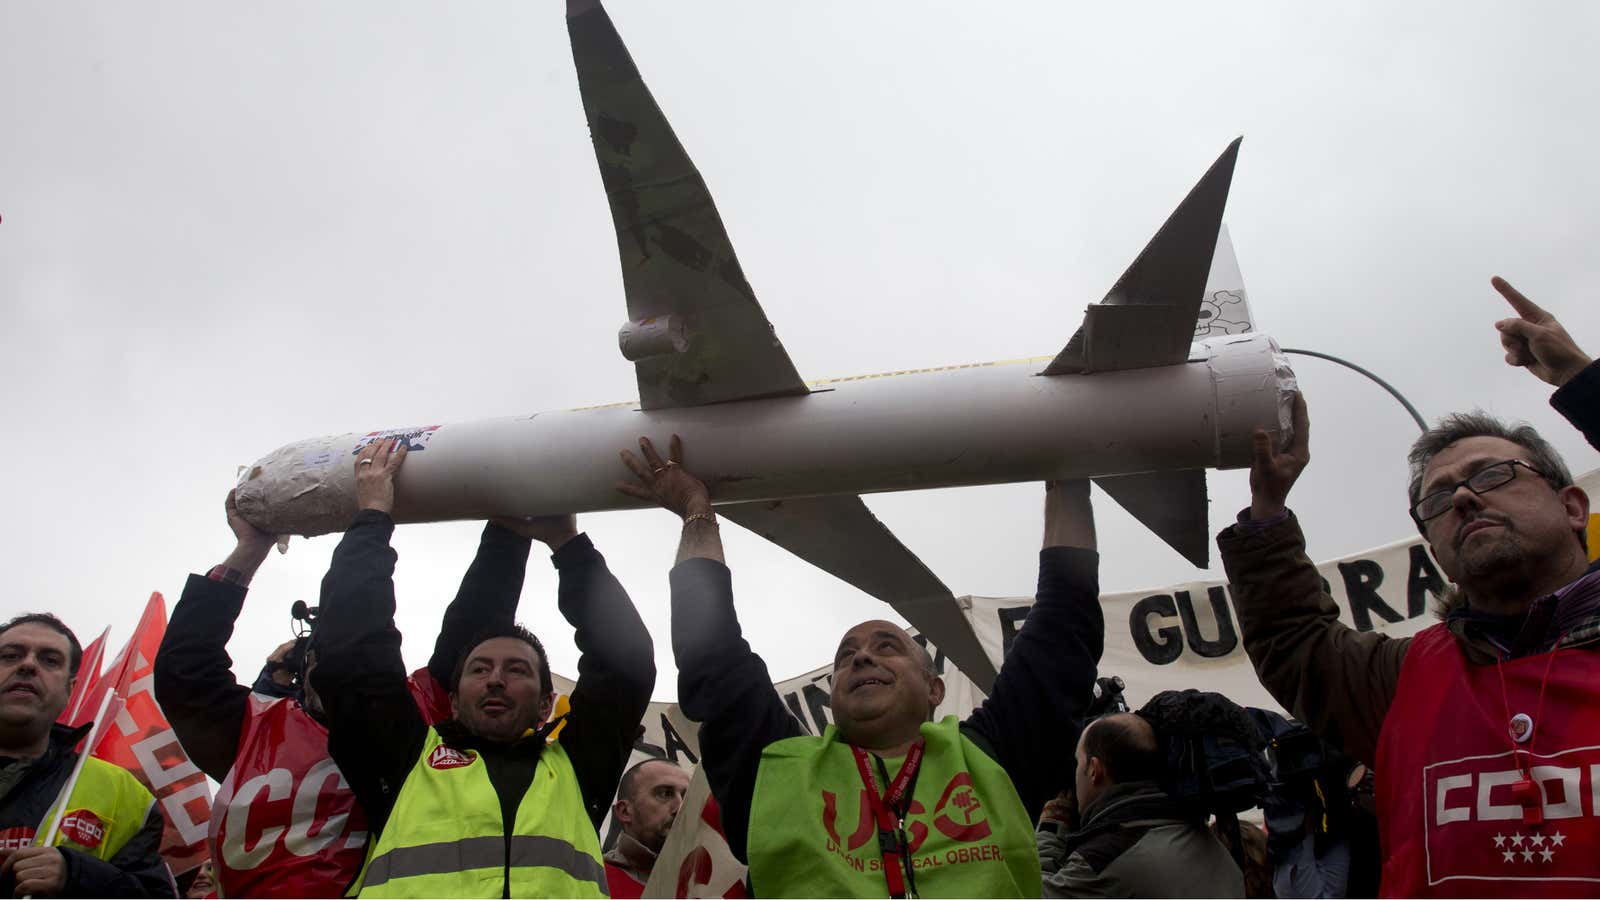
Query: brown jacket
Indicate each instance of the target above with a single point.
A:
(1338, 680)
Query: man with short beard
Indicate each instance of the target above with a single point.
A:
(648, 801)
(886, 800)
(269, 742)
(108, 836)
(482, 805)
(1482, 728)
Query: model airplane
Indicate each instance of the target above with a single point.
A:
(1163, 380)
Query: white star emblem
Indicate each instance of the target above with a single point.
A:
(1527, 856)
(1556, 839)
(1536, 840)
(1516, 839)
(1499, 840)
(1547, 854)
(1509, 856)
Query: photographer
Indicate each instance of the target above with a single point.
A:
(1323, 836)
(1136, 838)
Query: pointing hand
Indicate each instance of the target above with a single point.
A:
(1536, 341)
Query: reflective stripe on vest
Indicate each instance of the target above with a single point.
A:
(446, 838)
(482, 853)
(812, 833)
(1449, 818)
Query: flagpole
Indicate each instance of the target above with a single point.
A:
(77, 701)
(104, 716)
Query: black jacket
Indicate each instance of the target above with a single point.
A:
(1137, 842)
(194, 680)
(375, 732)
(29, 787)
(1028, 725)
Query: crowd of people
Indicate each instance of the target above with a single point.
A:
(1458, 761)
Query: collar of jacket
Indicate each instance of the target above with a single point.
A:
(532, 742)
(62, 740)
(1574, 611)
(1136, 801)
(628, 853)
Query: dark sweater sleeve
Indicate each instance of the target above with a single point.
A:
(1031, 720)
(194, 681)
(488, 597)
(137, 870)
(616, 672)
(1337, 680)
(1579, 401)
(724, 685)
(375, 730)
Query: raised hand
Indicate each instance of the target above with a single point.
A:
(376, 465)
(1536, 341)
(1272, 472)
(552, 530)
(251, 543)
(665, 482)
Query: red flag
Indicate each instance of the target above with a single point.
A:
(141, 741)
(88, 679)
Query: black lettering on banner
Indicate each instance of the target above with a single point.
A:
(792, 700)
(1227, 638)
(1164, 645)
(644, 746)
(675, 743)
(1010, 623)
(938, 655)
(818, 700)
(1420, 577)
(1361, 580)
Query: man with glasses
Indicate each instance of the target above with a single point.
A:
(1481, 728)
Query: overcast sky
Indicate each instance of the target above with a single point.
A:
(224, 228)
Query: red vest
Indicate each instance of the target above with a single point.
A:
(621, 885)
(1449, 822)
(285, 823)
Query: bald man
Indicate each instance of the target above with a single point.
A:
(1135, 841)
(886, 801)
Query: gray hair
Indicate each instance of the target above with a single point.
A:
(1459, 426)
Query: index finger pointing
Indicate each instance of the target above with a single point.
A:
(1525, 308)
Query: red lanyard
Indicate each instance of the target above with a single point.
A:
(888, 810)
(1526, 790)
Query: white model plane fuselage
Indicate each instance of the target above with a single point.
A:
(1157, 386)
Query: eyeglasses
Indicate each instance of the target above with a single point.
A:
(1483, 481)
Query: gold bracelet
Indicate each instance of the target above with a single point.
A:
(701, 517)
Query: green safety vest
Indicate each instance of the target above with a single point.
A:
(812, 832)
(106, 809)
(446, 836)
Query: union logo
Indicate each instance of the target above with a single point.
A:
(958, 816)
(84, 828)
(443, 757)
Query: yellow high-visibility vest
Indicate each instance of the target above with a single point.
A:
(446, 836)
(106, 810)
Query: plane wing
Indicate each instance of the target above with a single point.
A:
(696, 333)
(1148, 317)
(842, 537)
